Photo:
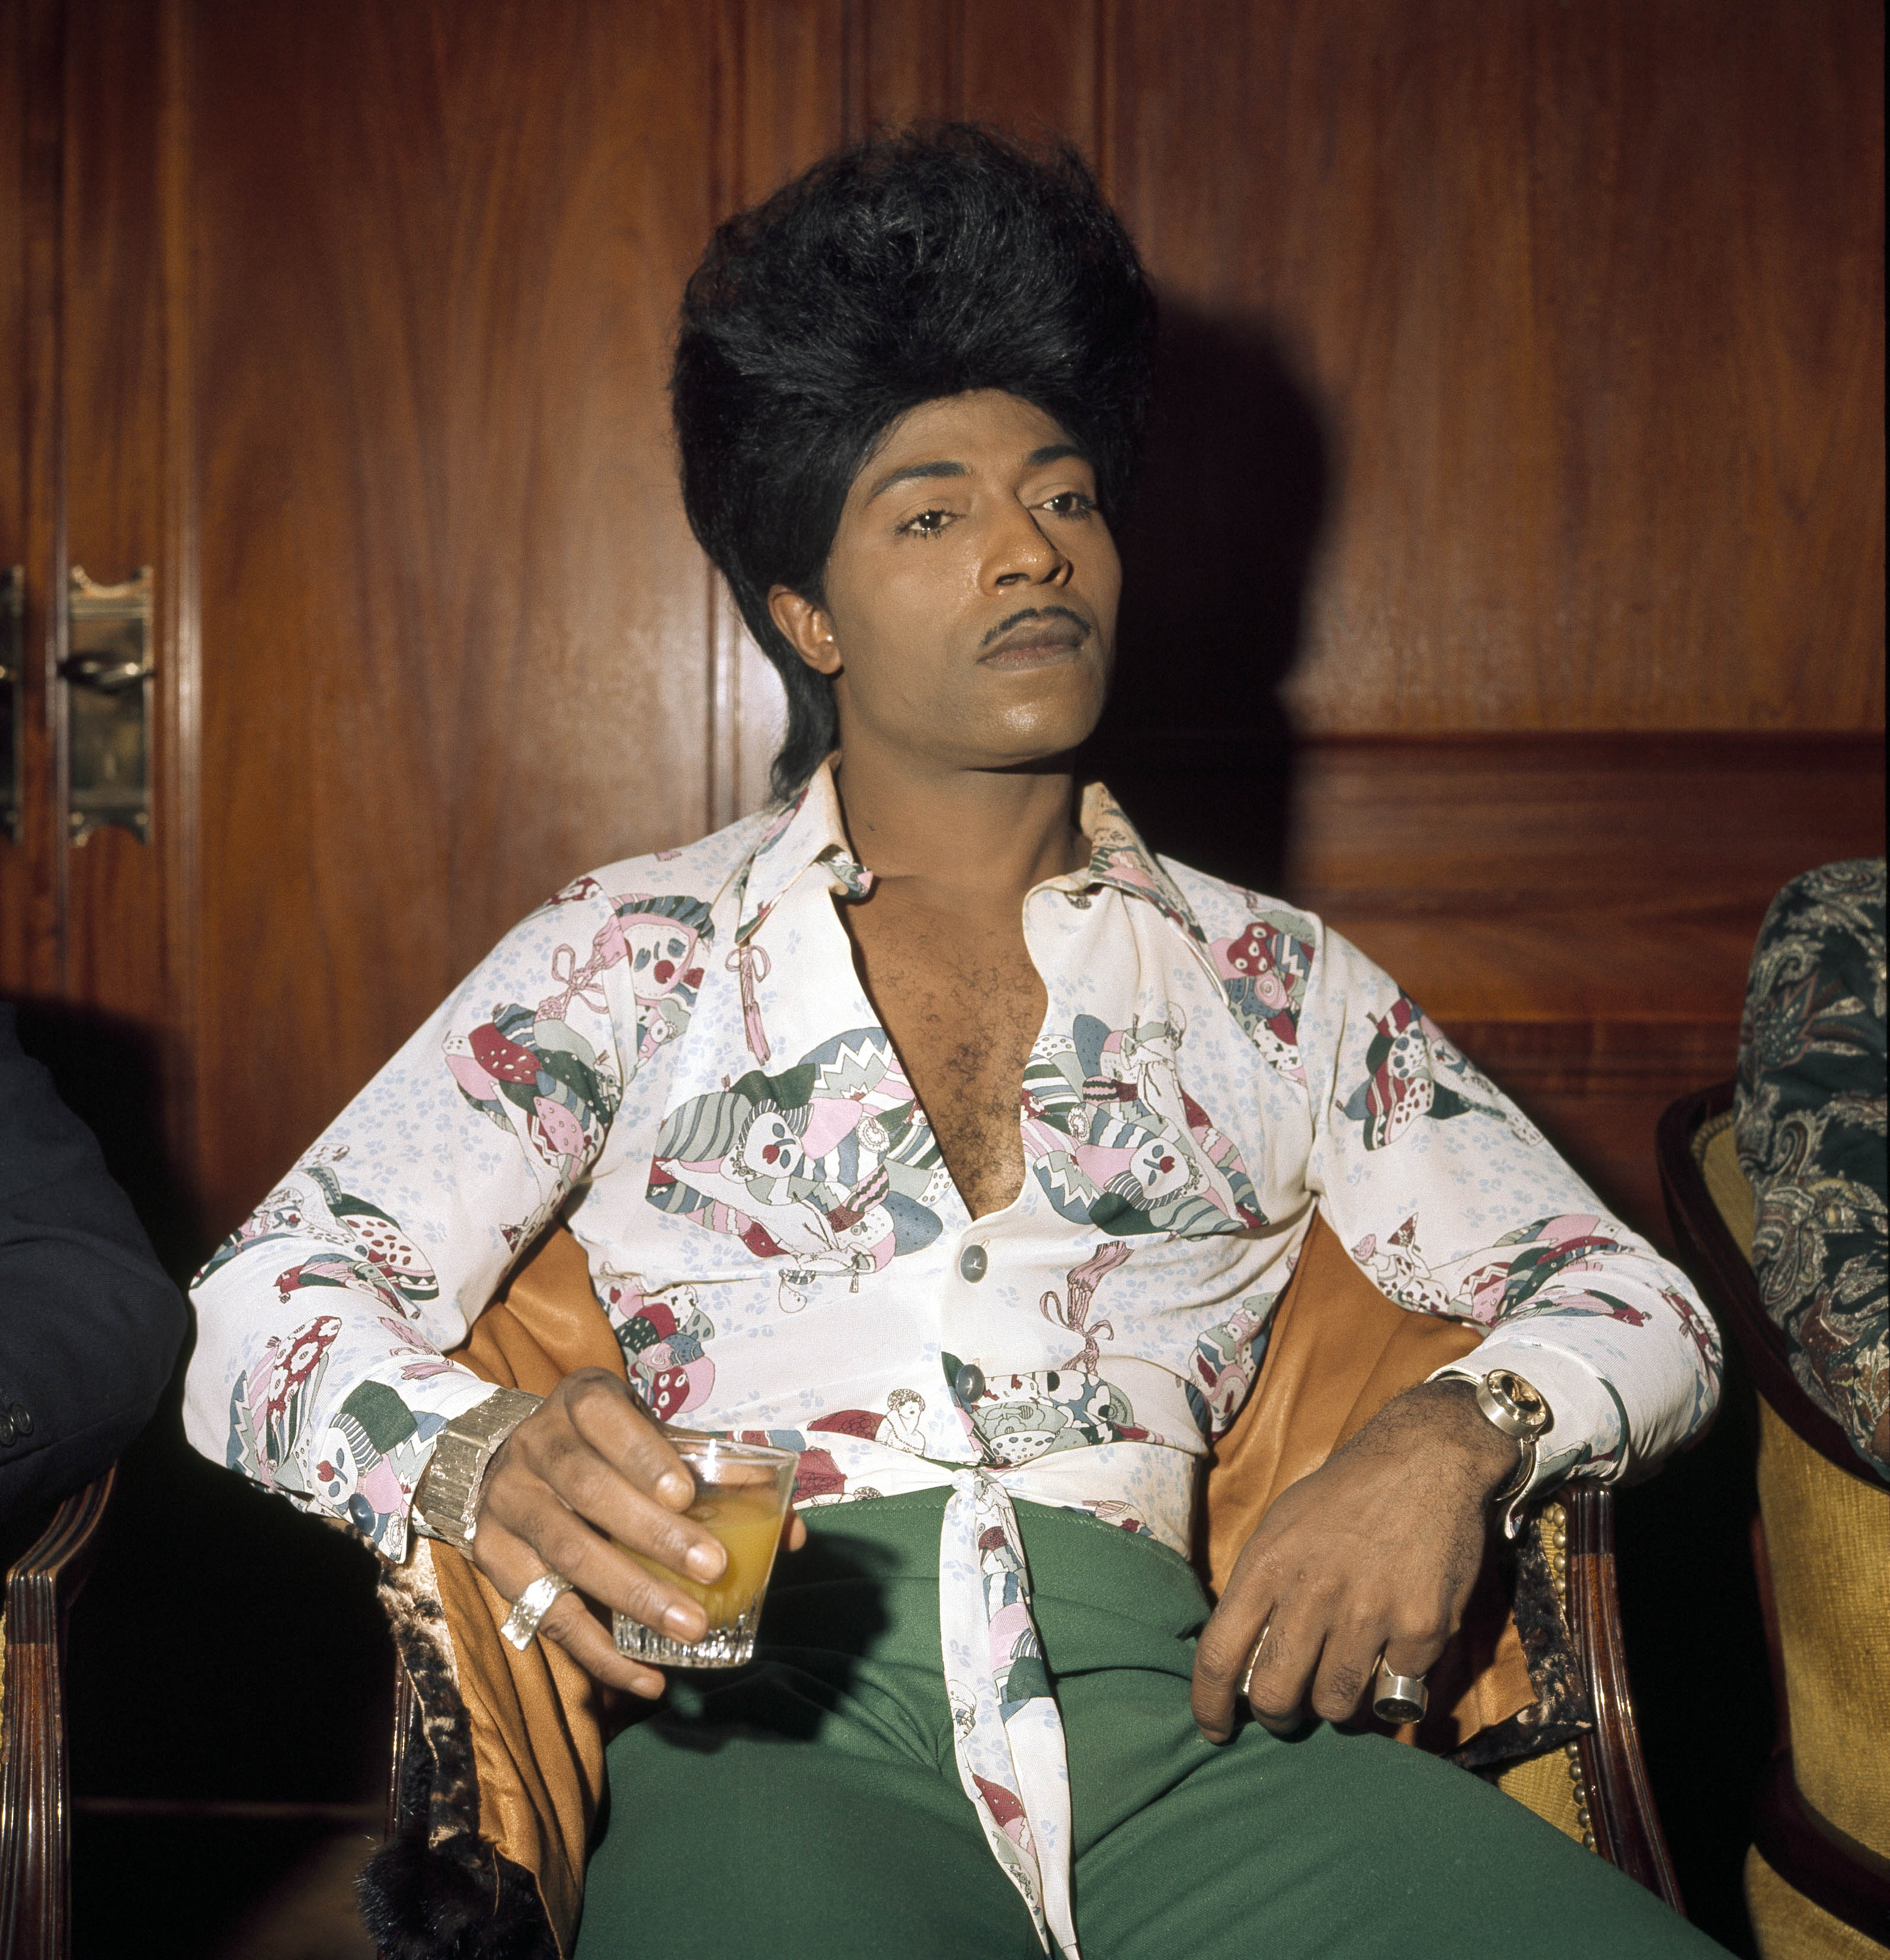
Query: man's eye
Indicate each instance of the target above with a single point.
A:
(929, 523)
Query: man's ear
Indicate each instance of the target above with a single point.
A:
(806, 627)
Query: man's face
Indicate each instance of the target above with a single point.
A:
(971, 592)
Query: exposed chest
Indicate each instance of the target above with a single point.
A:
(964, 1004)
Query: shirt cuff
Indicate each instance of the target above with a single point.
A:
(365, 1472)
(1589, 1430)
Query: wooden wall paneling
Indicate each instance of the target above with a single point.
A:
(178, 804)
(1579, 912)
(905, 63)
(1593, 297)
(782, 98)
(31, 58)
(1034, 66)
(15, 867)
(112, 399)
(453, 627)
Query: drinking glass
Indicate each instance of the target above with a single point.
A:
(742, 1495)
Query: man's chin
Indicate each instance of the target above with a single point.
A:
(1040, 733)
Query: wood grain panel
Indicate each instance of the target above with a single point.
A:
(784, 112)
(1591, 298)
(905, 62)
(1031, 67)
(1034, 67)
(111, 400)
(1578, 911)
(32, 41)
(454, 630)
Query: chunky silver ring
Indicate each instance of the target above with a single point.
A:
(1401, 1697)
(522, 1623)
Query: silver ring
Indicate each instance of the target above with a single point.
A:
(522, 1623)
(1253, 1660)
(1401, 1697)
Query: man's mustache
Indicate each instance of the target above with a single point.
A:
(1084, 626)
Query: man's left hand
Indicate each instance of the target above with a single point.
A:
(1374, 1553)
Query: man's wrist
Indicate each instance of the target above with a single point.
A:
(1514, 1408)
(1491, 1458)
(1489, 1455)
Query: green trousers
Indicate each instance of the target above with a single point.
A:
(809, 1807)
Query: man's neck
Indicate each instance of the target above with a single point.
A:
(978, 836)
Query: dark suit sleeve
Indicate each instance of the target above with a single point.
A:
(90, 1325)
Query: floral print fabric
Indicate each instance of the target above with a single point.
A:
(1811, 1135)
(676, 1054)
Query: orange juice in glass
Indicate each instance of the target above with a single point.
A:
(743, 1491)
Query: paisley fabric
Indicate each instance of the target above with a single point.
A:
(676, 1054)
(1811, 1133)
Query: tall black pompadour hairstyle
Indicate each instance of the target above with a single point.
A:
(925, 263)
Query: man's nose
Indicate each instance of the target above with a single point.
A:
(1026, 555)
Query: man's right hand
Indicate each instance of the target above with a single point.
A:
(587, 1467)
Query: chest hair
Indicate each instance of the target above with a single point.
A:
(964, 1005)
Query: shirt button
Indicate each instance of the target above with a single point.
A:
(968, 1383)
(7, 1437)
(972, 1263)
(22, 1419)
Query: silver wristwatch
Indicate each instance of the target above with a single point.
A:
(1520, 1410)
(446, 1504)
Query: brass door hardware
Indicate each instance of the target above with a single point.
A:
(108, 676)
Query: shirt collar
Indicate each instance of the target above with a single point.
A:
(798, 835)
(808, 832)
(1119, 858)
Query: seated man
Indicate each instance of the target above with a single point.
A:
(928, 1123)
(89, 1326)
(1811, 1142)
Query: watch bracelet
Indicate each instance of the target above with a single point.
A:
(446, 1504)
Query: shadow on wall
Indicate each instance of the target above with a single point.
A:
(1216, 566)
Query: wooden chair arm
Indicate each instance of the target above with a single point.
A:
(1620, 1799)
(35, 1809)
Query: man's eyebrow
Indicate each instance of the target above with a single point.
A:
(917, 470)
(1052, 452)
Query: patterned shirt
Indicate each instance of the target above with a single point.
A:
(676, 1056)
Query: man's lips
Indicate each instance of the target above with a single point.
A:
(1033, 641)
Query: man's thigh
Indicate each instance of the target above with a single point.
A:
(726, 1842)
(1352, 1848)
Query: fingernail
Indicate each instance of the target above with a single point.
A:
(676, 1489)
(684, 1623)
(706, 1561)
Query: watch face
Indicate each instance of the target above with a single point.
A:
(1516, 1394)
